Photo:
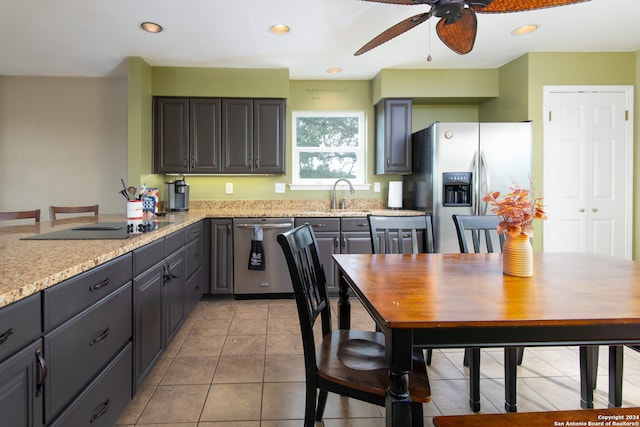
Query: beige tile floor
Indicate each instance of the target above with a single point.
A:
(239, 364)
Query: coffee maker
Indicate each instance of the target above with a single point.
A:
(178, 195)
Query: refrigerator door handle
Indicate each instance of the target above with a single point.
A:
(475, 182)
(486, 184)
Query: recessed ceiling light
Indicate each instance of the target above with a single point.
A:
(279, 29)
(525, 29)
(151, 27)
(334, 70)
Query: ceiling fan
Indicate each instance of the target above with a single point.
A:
(458, 25)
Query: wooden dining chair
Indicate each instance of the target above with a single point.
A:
(346, 362)
(55, 210)
(21, 215)
(483, 230)
(397, 231)
(390, 234)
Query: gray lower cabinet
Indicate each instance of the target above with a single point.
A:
(79, 349)
(338, 235)
(102, 402)
(147, 321)
(193, 257)
(220, 255)
(158, 300)
(21, 390)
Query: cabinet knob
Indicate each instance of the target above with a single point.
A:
(594, 210)
(581, 210)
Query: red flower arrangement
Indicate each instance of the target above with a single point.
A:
(517, 210)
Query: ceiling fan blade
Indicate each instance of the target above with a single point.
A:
(394, 31)
(459, 36)
(502, 6)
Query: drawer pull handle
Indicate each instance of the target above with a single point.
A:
(104, 408)
(43, 371)
(99, 337)
(97, 286)
(6, 335)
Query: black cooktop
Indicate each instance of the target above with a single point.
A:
(101, 231)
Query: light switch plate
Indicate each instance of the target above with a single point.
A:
(280, 187)
(376, 187)
(229, 188)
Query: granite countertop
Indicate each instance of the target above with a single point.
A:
(30, 266)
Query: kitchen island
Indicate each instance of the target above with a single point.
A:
(88, 318)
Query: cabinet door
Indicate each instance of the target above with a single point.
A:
(147, 321)
(20, 388)
(237, 135)
(173, 295)
(220, 256)
(393, 136)
(171, 135)
(268, 136)
(356, 243)
(205, 121)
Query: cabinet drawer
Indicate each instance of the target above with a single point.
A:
(105, 399)
(355, 224)
(193, 256)
(147, 256)
(174, 241)
(79, 349)
(195, 230)
(20, 324)
(63, 301)
(320, 224)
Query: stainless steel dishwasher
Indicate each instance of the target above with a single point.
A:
(274, 280)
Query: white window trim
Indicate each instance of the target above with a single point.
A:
(362, 152)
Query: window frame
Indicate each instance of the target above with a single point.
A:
(360, 150)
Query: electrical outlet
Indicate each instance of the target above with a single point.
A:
(280, 187)
(229, 188)
(376, 187)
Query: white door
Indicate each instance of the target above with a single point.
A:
(588, 170)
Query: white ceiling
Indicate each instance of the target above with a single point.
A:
(92, 37)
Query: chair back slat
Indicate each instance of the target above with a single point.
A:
(35, 214)
(396, 230)
(483, 230)
(55, 210)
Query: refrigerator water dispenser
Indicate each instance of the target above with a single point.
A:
(456, 189)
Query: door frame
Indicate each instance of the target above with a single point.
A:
(627, 90)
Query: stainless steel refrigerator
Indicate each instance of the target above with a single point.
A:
(456, 164)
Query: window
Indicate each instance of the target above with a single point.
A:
(328, 146)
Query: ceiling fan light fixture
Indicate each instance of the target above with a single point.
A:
(151, 27)
(334, 70)
(279, 29)
(525, 29)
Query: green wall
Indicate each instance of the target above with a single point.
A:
(512, 92)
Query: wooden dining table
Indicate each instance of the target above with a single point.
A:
(465, 301)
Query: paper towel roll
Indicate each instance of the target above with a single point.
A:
(395, 195)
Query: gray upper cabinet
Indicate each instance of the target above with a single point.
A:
(204, 138)
(219, 136)
(393, 136)
(253, 136)
(187, 135)
(171, 135)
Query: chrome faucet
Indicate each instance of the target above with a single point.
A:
(333, 194)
